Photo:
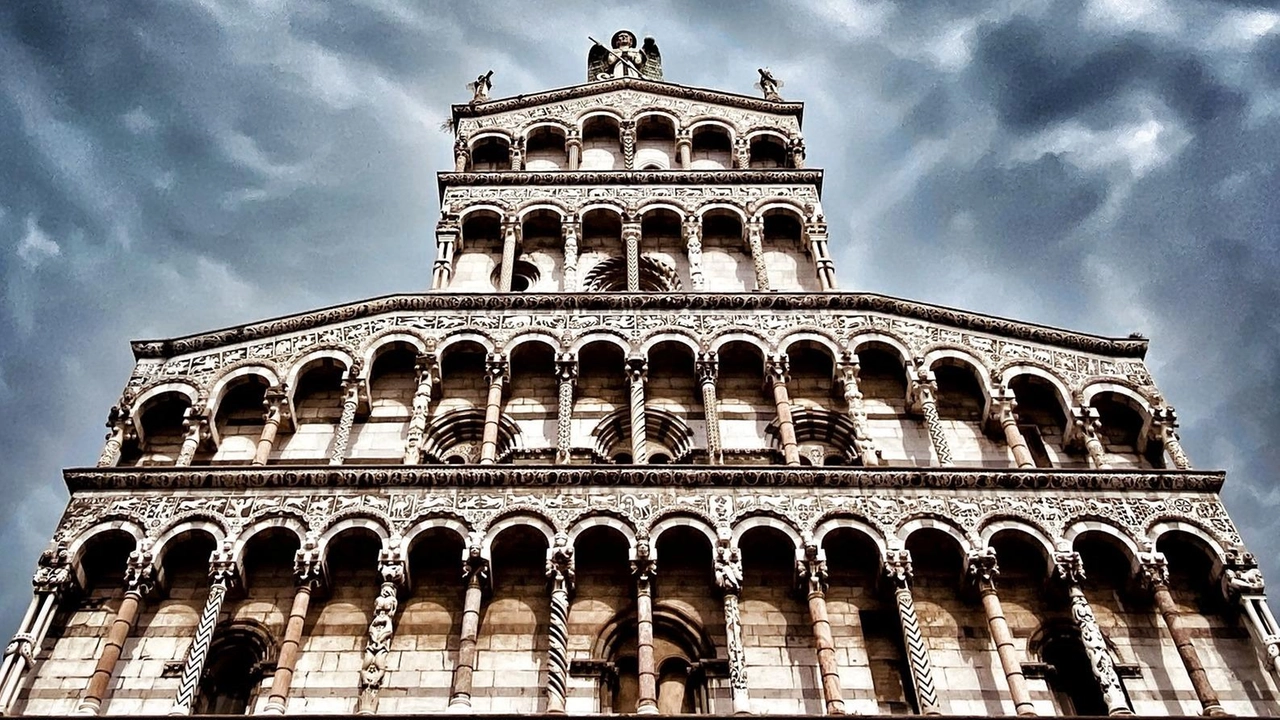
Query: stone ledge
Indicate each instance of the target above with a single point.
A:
(357, 476)
(520, 716)
(727, 176)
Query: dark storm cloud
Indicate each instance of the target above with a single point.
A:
(178, 166)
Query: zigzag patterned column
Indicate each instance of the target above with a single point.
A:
(342, 435)
(223, 573)
(1153, 571)
(495, 368)
(643, 568)
(637, 372)
(627, 138)
(52, 580)
(983, 570)
(708, 369)
(561, 574)
(1070, 570)
(898, 567)
(728, 568)
(864, 445)
(382, 628)
(476, 572)
(922, 397)
(426, 368)
(308, 575)
(811, 577)
(566, 377)
(139, 580)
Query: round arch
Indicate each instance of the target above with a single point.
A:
(616, 524)
(605, 336)
(919, 522)
(674, 521)
(527, 519)
(656, 204)
(303, 363)
(860, 340)
(667, 336)
(351, 523)
(484, 341)
(424, 525)
(525, 210)
(383, 341)
(1127, 543)
(202, 524)
(229, 378)
(155, 392)
(729, 207)
(850, 522)
(1166, 527)
(1037, 535)
(533, 336)
(76, 548)
(826, 342)
(757, 341)
(487, 133)
(1011, 372)
(698, 123)
(264, 524)
(752, 522)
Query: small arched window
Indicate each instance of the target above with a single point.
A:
(234, 672)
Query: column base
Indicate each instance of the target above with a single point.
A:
(273, 708)
(459, 704)
(91, 706)
(650, 708)
(1215, 711)
(180, 710)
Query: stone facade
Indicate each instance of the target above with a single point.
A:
(634, 452)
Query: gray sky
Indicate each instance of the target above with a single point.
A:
(174, 166)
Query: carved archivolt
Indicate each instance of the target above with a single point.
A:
(797, 189)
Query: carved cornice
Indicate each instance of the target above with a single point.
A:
(459, 302)
(281, 476)
(683, 92)
(633, 177)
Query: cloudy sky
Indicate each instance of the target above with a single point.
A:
(176, 166)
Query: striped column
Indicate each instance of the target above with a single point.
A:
(223, 574)
(496, 374)
(1153, 572)
(476, 573)
(275, 410)
(308, 576)
(897, 566)
(642, 569)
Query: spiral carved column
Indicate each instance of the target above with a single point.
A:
(864, 445)
(120, 425)
(693, 247)
(811, 577)
(898, 567)
(637, 372)
(139, 580)
(1085, 427)
(631, 241)
(560, 573)
(426, 369)
(1070, 571)
(223, 575)
(569, 232)
(922, 396)
(707, 367)
(1165, 429)
(983, 570)
(566, 378)
(342, 435)
(755, 242)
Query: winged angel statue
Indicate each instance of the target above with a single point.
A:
(625, 59)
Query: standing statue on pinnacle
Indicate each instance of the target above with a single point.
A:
(481, 87)
(769, 85)
(625, 59)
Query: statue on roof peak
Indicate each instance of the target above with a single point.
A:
(625, 59)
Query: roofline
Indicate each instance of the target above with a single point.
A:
(776, 176)
(802, 301)
(570, 92)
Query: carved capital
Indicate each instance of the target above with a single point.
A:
(897, 566)
(643, 564)
(223, 569)
(1241, 576)
(728, 564)
(983, 568)
(847, 371)
(1153, 570)
(53, 570)
(1004, 406)
(1084, 424)
(560, 563)
(637, 369)
(308, 570)
(275, 405)
(566, 368)
(496, 369)
(922, 386)
(707, 367)
(1067, 567)
(777, 369)
(811, 570)
(140, 570)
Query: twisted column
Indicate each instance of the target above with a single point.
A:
(447, 232)
(566, 377)
(627, 136)
(510, 239)
(52, 580)
(1070, 571)
(1153, 572)
(755, 241)
(637, 373)
(776, 370)
(643, 568)
(707, 367)
(1164, 427)
(308, 576)
(476, 573)
(573, 145)
(195, 425)
(561, 575)
(120, 426)
(631, 241)
(342, 434)
(692, 228)
(847, 375)
(1242, 583)
(1003, 407)
(569, 232)
(684, 147)
(373, 670)
(897, 566)
(427, 369)
(1086, 426)
(139, 581)
(811, 579)
(728, 569)
(275, 410)
(983, 570)
(223, 574)
(496, 374)
(922, 396)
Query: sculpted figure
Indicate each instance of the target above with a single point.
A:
(481, 87)
(769, 85)
(625, 59)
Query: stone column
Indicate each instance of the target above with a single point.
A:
(52, 580)
(631, 242)
(308, 576)
(496, 375)
(692, 227)
(516, 151)
(1154, 574)
(569, 231)
(847, 378)
(427, 370)
(795, 148)
(1085, 427)
(708, 367)
(120, 425)
(922, 397)
(573, 144)
(983, 570)
(728, 568)
(275, 410)
(1003, 413)
(350, 402)
(741, 154)
(816, 231)
(510, 243)
(643, 568)
(684, 148)
(811, 577)
(637, 373)
(755, 242)
(1164, 429)
(566, 379)
(139, 581)
(897, 566)
(223, 575)
(1242, 583)
(560, 573)
(447, 231)
(476, 574)
(627, 137)
(776, 371)
(195, 427)
(373, 670)
(1070, 571)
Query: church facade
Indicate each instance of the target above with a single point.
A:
(634, 452)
